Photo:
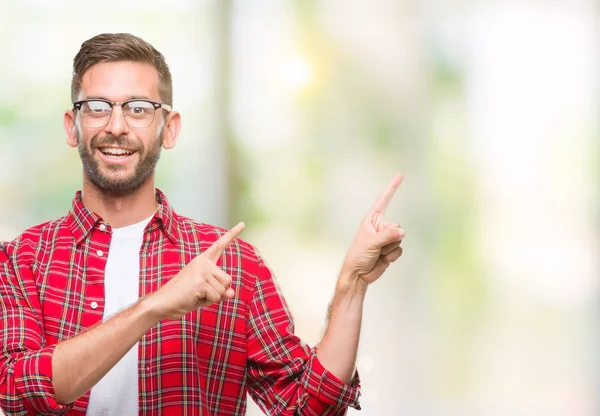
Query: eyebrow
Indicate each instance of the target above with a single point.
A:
(131, 97)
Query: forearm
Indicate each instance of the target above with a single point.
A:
(338, 348)
(81, 362)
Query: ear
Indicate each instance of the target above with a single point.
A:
(69, 124)
(172, 127)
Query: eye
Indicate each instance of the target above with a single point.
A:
(95, 108)
(139, 108)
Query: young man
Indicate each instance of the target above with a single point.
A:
(123, 307)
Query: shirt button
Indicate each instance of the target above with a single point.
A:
(94, 305)
(102, 227)
(100, 253)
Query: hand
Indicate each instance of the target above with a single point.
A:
(200, 283)
(377, 243)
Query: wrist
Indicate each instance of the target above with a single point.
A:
(350, 283)
(148, 307)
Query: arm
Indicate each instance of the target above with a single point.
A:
(25, 373)
(285, 377)
(338, 349)
(81, 362)
(36, 378)
(376, 245)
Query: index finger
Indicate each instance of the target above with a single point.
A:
(218, 247)
(385, 198)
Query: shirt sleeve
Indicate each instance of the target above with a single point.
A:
(285, 376)
(25, 359)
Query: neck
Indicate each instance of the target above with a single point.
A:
(121, 210)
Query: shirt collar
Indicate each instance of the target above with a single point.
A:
(82, 220)
(167, 217)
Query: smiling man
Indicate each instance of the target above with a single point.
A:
(123, 307)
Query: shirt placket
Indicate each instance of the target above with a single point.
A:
(147, 347)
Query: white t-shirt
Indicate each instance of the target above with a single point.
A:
(117, 392)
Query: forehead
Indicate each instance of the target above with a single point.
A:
(118, 81)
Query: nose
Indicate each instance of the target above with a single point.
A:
(117, 125)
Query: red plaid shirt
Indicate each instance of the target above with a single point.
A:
(52, 288)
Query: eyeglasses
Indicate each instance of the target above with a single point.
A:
(138, 113)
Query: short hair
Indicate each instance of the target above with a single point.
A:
(115, 47)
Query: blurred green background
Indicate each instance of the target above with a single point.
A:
(296, 114)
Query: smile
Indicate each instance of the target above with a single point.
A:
(116, 154)
(116, 151)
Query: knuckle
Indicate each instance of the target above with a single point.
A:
(199, 262)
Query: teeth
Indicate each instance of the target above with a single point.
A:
(115, 151)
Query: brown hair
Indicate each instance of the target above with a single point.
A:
(113, 47)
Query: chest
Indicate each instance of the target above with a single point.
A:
(85, 284)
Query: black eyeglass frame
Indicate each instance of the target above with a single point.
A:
(77, 106)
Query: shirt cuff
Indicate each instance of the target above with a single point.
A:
(33, 375)
(328, 388)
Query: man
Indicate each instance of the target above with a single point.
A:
(124, 307)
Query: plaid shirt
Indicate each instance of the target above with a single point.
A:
(52, 288)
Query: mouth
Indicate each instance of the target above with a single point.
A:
(116, 154)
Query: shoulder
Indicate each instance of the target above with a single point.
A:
(3, 255)
(30, 240)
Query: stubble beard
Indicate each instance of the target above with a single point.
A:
(119, 185)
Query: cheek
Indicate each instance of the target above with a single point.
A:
(153, 141)
(78, 134)
(84, 139)
(160, 136)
